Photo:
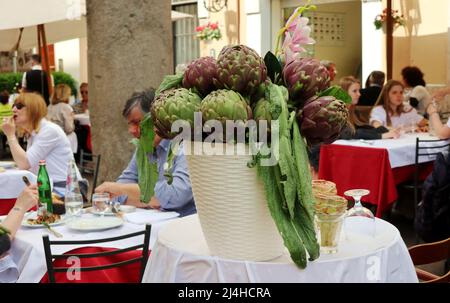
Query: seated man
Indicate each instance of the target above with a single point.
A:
(176, 196)
(9, 271)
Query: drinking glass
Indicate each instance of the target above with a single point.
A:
(73, 203)
(100, 202)
(358, 210)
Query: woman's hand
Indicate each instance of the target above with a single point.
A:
(9, 127)
(28, 198)
(392, 134)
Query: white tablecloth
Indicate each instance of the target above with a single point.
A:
(181, 255)
(83, 119)
(401, 151)
(11, 183)
(28, 250)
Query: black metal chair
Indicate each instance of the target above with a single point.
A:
(423, 149)
(49, 257)
(89, 165)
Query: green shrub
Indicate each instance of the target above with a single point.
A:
(61, 77)
(8, 81)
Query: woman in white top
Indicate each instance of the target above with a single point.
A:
(417, 95)
(61, 113)
(390, 111)
(46, 140)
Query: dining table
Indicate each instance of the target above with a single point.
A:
(369, 251)
(376, 165)
(27, 249)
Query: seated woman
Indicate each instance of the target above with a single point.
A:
(46, 140)
(61, 113)
(356, 129)
(391, 112)
(417, 95)
(9, 271)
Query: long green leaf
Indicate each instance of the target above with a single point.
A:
(338, 93)
(170, 81)
(287, 227)
(273, 67)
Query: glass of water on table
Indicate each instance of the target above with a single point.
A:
(100, 202)
(73, 203)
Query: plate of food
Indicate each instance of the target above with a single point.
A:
(7, 164)
(95, 224)
(121, 208)
(35, 221)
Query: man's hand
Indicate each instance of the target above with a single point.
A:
(112, 188)
(154, 203)
(28, 198)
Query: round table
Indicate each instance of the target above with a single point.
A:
(181, 255)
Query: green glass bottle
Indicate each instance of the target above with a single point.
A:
(44, 187)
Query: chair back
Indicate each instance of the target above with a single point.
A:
(113, 254)
(90, 165)
(429, 149)
(362, 112)
(429, 253)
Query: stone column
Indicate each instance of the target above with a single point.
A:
(129, 49)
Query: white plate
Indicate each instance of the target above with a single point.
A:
(33, 216)
(123, 208)
(7, 164)
(95, 224)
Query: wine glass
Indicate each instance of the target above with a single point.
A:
(358, 210)
(100, 202)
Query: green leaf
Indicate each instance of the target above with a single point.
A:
(170, 81)
(273, 66)
(338, 93)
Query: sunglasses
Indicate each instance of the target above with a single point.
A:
(19, 105)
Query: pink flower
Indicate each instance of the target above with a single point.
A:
(296, 36)
(199, 28)
(214, 25)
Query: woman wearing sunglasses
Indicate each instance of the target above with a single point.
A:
(46, 140)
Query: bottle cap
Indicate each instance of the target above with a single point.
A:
(41, 162)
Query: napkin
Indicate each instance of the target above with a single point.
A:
(150, 216)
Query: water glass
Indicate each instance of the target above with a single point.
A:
(328, 229)
(100, 203)
(73, 203)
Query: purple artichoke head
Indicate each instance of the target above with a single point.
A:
(241, 69)
(199, 74)
(304, 78)
(322, 119)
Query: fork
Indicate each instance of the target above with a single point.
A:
(57, 234)
(115, 211)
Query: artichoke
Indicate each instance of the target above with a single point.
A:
(173, 105)
(305, 77)
(262, 112)
(322, 119)
(241, 69)
(223, 105)
(199, 74)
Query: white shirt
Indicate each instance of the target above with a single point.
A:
(50, 144)
(379, 114)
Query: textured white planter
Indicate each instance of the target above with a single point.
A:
(232, 207)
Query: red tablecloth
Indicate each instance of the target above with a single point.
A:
(125, 274)
(6, 205)
(363, 167)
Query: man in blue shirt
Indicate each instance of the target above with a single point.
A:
(175, 197)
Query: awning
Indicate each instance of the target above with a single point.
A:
(63, 19)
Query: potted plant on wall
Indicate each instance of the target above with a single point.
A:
(209, 32)
(397, 19)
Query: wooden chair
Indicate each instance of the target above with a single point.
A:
(116, 257)
(363, 113)
(429, 253)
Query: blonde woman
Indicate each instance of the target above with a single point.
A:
(391, 112)
(46, 140)
(61, 113)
